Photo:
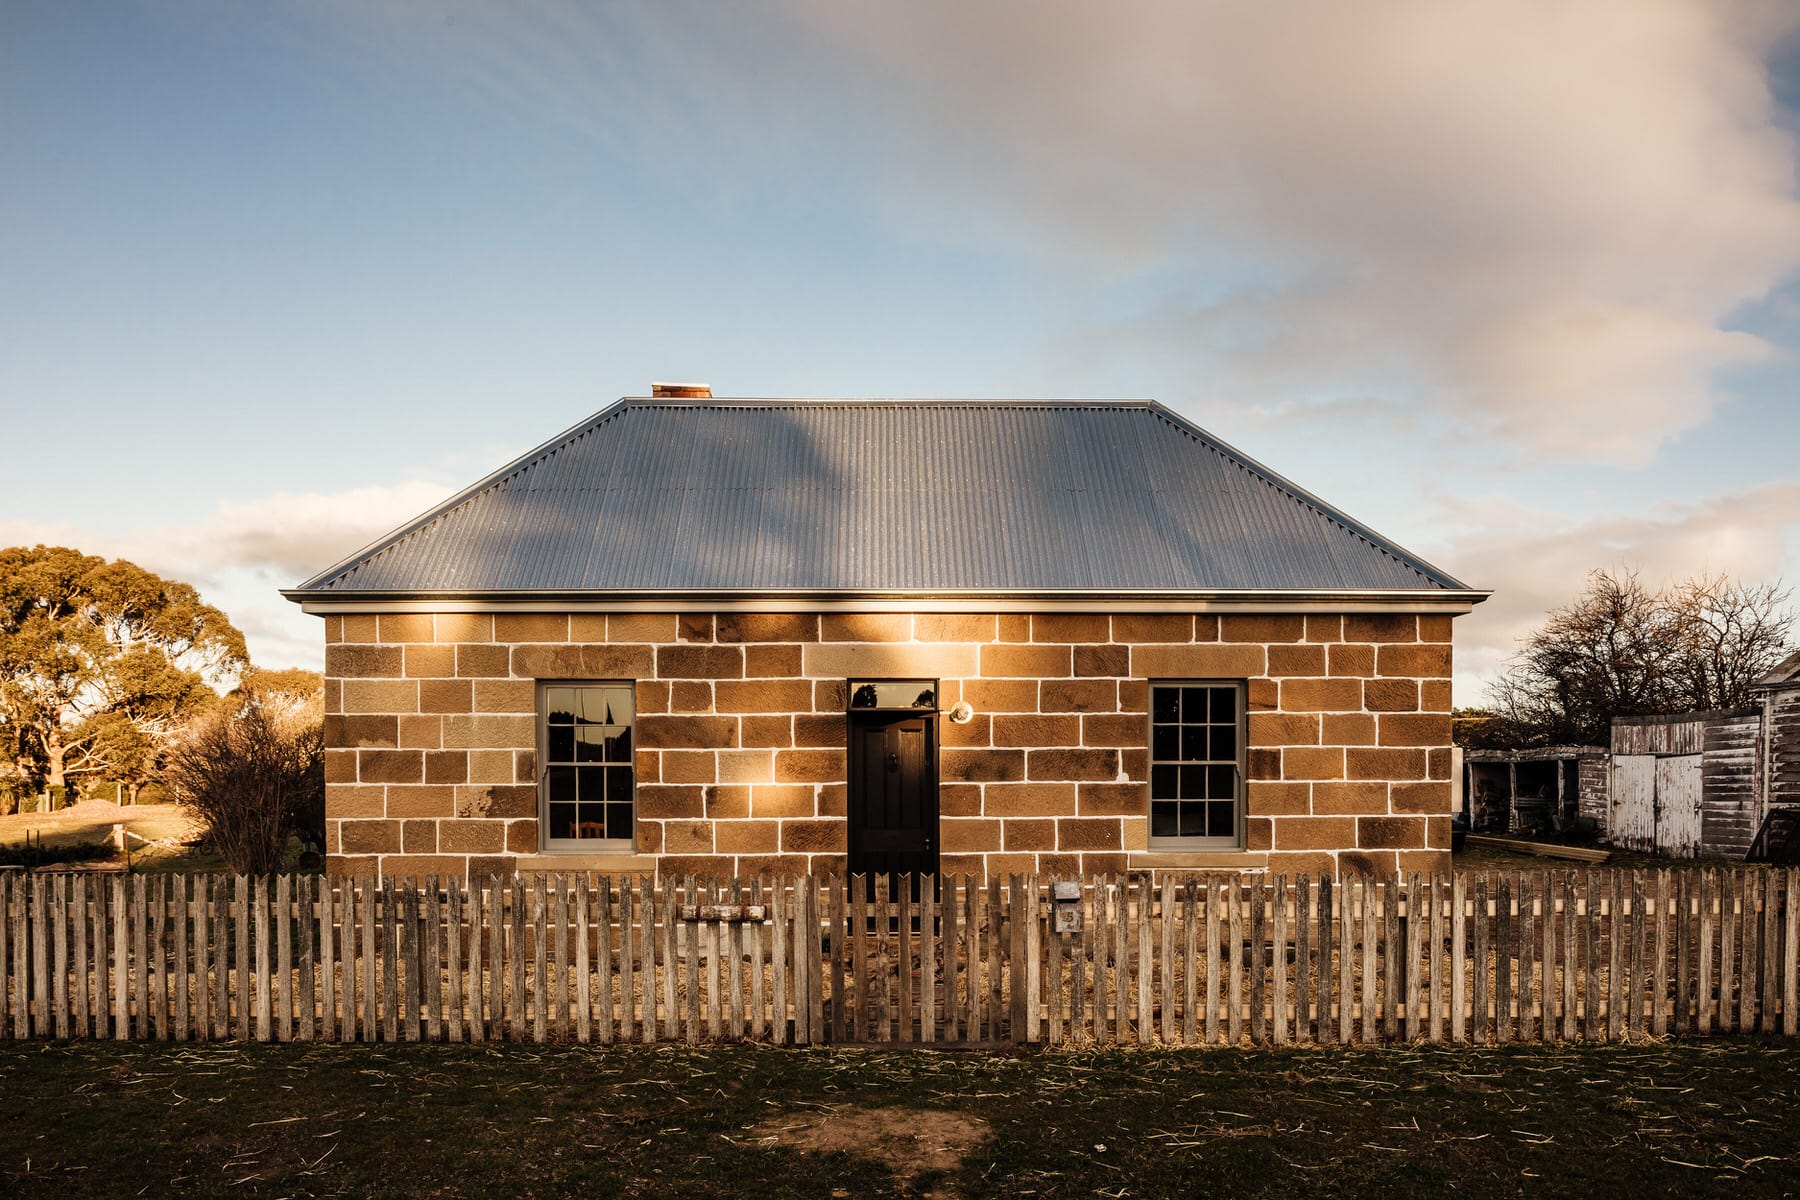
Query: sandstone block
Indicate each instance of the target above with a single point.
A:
(1089, 833)
(531, 627)
(1422, 659)
(865, 627)
(390, 766)
(1036, 730)
(1270, 799)
(1071, 627)
(1021, 833)
(700, 662)
(1322, 695)
(1388, 764)
(1309, 762)
(1114, 799)
(462, 627)
(381, 695)
(1380, 627)
(1027, 799)
(763, 696)
(1415, 729)
(1390, 833)
(1079, 695)
(955, 627)
(354, 661)
(763, 661)
(1002, 660)
(1210, 661)
(475, 660)
(969, 835)
(404, 627)
(1261, 627)
(640, 627)
(430, 662)
(1076, 763)
(1350, 659)
(687, 732)
(1152, 627)
(768, 627)
(1314, 833)
(981, 766)
(1298, 659)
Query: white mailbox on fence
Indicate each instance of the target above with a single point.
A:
(1065, 906)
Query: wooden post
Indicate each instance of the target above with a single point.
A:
(1479, 999)
(1234, 947)
(1278, 997)
(1212, 959)
(1439, 888)
(1303, 921)
(1459, 989)
(284, 958)
(1328, 891)
(1527, 970)
(1371, 900)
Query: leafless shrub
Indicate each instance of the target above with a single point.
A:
(255, 772)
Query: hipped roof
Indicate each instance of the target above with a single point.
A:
(882, 497)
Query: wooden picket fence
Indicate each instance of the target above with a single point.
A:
(1474, 958)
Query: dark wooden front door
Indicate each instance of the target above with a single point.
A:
(893, 803)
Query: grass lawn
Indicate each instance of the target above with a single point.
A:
(1718, 1118)
(90, 824)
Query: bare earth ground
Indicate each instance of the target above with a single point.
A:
(1718, 1118)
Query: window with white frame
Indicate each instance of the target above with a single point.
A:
(1196, 764)
(587, 781)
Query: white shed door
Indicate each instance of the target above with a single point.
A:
(1631, 821)
(1678, 805)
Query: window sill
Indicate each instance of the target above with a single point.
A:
(615, 863)
(1228, 860)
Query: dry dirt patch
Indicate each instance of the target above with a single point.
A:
(909, 1141)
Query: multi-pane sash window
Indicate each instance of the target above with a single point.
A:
(585, 800)
(1196, 764)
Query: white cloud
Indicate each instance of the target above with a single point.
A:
(1536, 561)
(1535, 214)
(241, 555)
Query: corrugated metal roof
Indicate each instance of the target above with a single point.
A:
(880, 496)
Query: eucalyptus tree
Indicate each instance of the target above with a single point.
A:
(101, 662)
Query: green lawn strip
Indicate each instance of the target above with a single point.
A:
(408, 1121)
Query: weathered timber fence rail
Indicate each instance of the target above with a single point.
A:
(1599, 955)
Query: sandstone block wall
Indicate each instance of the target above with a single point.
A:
(431, 731)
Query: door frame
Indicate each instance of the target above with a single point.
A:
(853, 718)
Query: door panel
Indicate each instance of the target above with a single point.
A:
(893, 812)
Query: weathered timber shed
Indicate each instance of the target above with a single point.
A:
(728, 637)
(1779, 741)
(1535, 790)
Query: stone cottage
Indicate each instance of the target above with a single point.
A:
(729, 637)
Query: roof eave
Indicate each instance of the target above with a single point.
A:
(941, 600)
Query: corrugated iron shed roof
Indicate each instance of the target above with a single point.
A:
(864, 497)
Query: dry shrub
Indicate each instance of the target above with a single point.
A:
(256, 774)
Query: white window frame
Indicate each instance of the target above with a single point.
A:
(1239, 767)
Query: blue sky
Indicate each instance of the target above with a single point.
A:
(1513, 282)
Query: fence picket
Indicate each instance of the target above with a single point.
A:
(1278, 991)
(1303, 923)
(1790, 957)
(284, 959)
(1479, 998)
(1328, 970)
(1369, 896)
(1234, 947)
(1525, 977)
(1769, 959)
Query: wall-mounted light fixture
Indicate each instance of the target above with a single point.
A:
(962, 714)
